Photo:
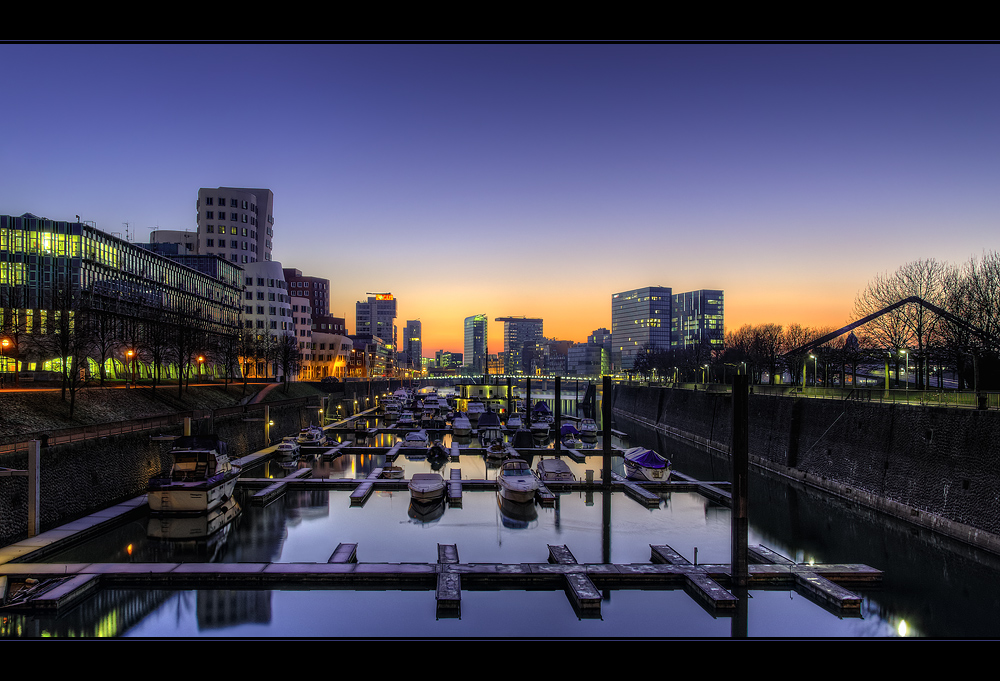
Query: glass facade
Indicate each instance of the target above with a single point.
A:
(638, 318)
(698, 318)
(475, 343)
(42, 260)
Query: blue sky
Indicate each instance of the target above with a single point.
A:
(530, 180)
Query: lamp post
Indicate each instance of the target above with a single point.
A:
(201, 367)
(4, 344)
(906, 374)
(130, 372)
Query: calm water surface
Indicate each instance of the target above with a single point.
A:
(923, 592)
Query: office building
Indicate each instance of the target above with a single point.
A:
(518, 331)
(411, 351)
(376, 317)
(639, 318)
(49, 266)
(236, 223)
(474, 357)
(697, 320)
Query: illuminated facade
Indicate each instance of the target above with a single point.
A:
(517, 331)
(412, 349)
(697, 318)
(474, 357)
(376, 317)
(638, 318)
(42, 260)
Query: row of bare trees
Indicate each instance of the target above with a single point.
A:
(967, 343)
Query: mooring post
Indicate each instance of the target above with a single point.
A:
(34, 487)
(510, 398)
(558, 406)
(527, 405)
(739, 454)
(187, 425)
(267, 425)
(606, 430)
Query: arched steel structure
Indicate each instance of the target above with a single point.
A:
(988, 338)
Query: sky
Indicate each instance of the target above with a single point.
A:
(530, 179)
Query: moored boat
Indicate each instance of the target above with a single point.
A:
(426, 487)
(461, 425)
(516, 481)
(554, 470)
(588, 430)
(645, 464)
(200, 479)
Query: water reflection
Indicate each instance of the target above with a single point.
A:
(932, 587)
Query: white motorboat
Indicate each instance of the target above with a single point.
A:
(516, 480)
(461, 426)
(588, 430)
(200, 479)
(311, 436)
(554, 470)
(289, 447)
(514, 421)
(426, 487)
(645, 464)
(406, 420)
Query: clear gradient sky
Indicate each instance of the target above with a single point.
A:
(530, 180)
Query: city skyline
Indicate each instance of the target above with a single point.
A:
(786, 175)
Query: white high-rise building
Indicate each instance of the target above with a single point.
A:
(236, 223)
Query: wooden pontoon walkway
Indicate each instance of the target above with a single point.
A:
(67, 584)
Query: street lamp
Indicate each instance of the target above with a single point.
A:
(906, 374)
(201, 367)
(130, 369)
(4, 344)
(815, 374)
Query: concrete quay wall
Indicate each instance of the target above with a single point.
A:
(83, 477)
(937, 467)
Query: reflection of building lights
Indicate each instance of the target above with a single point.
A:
(128, 549)
(902, 628)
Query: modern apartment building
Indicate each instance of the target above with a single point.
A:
(267, 315)
(518, 331)
(236, 223)
(476, 342)
(316, 289)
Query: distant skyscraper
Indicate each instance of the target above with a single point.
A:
(516, 332)
(475, 343)
(377, 317)
(639, 317)
(412, 348)
(235, 223)
(697, 319)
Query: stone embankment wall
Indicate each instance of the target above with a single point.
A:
(79, 478)
(938, 467)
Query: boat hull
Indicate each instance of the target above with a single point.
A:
(518, 493)
(190, 497)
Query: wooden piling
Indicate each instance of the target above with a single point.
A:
(739, 452)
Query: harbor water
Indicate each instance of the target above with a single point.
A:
(932, 587)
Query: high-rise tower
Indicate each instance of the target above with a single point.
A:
(475, 343)
(638, 318)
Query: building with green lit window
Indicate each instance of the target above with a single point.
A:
(697, 319)
(49, 267)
